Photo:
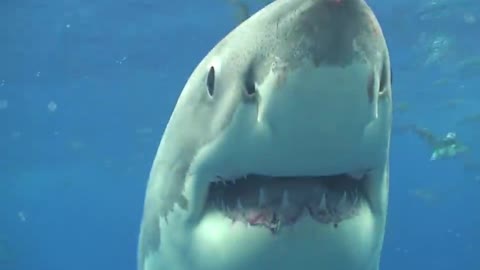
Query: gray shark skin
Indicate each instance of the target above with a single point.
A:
(276, 155)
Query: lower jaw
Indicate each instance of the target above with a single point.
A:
(307, 243)
(276, 221)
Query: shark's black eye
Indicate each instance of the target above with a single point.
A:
(250, 88)
(211, 81)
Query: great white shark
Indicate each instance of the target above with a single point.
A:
(276, 155)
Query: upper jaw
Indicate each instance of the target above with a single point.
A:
(276, 185)
(219, 162)
(208, 169)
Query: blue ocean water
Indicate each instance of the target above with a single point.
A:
(87, 87)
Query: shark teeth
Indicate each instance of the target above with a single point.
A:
(262, 199)
(285, 201)
(355, 197)
(343, 204)
(222, 205)
(323, 203)
(239, 204)
(270, 201)
(226, 180)
(358, 175)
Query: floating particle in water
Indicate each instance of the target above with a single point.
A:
(456, 234)
(469, 18)
(2, 83)
(121, 60)
(67, 26)
(52, 106)
(3, 104)
(37, 74)
(21, 216)
(15, 134)
(77, 145)
(107, 163)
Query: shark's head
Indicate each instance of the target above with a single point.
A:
(277, 151)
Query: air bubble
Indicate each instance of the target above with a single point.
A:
(52, 106)
(3, 104)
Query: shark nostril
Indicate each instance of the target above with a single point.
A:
(250, 88)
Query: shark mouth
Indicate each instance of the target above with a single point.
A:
(275, 202)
